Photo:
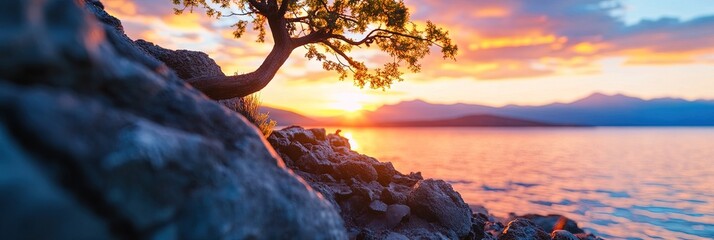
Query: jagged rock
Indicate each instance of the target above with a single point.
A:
(187, 64)
(553, 222)
(562, 235)
(395, 193)
(351, 169)
(385, 172)
(523, 229)
(99, 140)
(478, 226)
(435, 200)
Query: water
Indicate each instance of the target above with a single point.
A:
(620, 183)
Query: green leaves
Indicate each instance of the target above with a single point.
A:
(337, 26)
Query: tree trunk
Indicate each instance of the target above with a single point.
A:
(220, 88)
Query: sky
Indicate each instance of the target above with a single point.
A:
(526, 52)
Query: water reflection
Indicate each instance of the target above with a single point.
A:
(618, 182)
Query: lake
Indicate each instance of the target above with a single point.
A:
(619, 183)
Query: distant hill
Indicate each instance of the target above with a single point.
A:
(594, 110)
(287, 118)
(469, 121)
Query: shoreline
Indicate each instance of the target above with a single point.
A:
(367, 194)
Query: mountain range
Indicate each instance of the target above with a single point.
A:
(594, 110)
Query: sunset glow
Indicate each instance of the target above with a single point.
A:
(511, 52)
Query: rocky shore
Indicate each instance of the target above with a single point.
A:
(378, 202)
(100, 138)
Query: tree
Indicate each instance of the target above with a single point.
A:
(329, 30)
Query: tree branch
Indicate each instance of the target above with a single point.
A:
(260, 6)
(284, 6)
(341, 53)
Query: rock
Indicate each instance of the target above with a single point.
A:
(587, 236)
(553, 222)
(435, 200)
(523, 229)
(378, 206)
(385, 172)
(99, 140)
(337, 141)
(351, 169)
(187, 64)
(562, 235)
(395, 236)
(369, 190)
(478, 209)
(319, 133)
(396, 213)
(395, 193)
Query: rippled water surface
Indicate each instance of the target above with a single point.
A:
(620, 183)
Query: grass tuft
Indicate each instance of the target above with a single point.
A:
(249, 107)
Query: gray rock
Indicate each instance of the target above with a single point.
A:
(435, 200)
(553, 222)
(378, 206)
(396, 213)
(352, 169)
(187, 64)
(395, 193)
(523, 229)
(562, 235)
(587, 236)
(395, 236)
(104, 142)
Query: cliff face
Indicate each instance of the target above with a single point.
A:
(99, 140)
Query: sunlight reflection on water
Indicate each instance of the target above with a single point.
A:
(637, 183)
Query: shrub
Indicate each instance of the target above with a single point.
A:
(249, 107)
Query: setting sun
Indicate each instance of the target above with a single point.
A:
(348, 103)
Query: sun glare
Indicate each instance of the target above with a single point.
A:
(353, 143)
(348, 103)
(347, 106)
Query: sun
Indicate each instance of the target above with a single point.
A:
(347, 106)
(348, 103)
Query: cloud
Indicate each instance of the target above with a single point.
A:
(516, 36)
(502, 39)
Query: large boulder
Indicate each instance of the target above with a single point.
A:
(187, 64)
(435, 200)
(99, 140)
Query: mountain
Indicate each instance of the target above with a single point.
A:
(469, 121)
(287, 118)
(594, 110)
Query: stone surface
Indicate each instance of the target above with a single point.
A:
(562, 235)
(523, 229)
(553, 222)
(396, 213)
(99, 140)
(378, 206)
(361, 187)
(187, 64)
(435, 200)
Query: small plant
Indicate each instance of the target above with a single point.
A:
(249, 107)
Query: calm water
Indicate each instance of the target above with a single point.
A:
(620, 183)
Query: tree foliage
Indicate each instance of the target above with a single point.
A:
(331, 29)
